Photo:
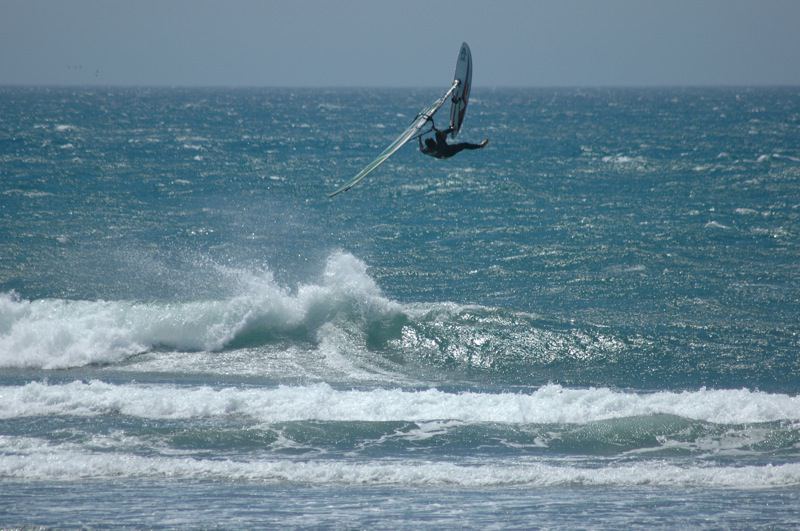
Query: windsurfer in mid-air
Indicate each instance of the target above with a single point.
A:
(434, 143)
(440, 149)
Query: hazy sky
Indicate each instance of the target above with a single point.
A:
(400, 43)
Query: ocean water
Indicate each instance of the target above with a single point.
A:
(593, 322)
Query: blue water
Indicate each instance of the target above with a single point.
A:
(592, 322)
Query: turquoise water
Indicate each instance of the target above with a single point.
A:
(592, 322)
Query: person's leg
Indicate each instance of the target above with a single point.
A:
(467, 145)
(452, 149)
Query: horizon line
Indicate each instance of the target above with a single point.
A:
(396, 87)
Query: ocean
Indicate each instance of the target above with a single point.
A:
(594, 322)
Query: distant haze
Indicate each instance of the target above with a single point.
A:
(399, 43)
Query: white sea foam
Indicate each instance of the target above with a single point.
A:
(27, 193)
(30, 459)
(716, 225)
(55, 333)
(623, 159)
(548, 404)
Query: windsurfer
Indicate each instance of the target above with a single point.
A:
(440, 149)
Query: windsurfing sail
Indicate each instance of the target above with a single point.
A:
(461, 96)
(416, 126)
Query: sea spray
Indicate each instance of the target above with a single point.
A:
(57, 333)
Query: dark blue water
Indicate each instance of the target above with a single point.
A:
(591, 322)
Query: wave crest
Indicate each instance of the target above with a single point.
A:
(546, 405)
(57, 333)
(34, 460)
(340, 324)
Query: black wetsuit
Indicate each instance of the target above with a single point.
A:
(443, 150)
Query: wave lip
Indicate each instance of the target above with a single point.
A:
(54, 333)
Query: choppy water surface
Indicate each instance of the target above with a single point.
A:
(592, 322)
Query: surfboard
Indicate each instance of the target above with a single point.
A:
(463, 75)
(416, 126)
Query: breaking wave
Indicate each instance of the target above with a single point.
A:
(343, 313)
(35, 460)
(57, 333)
(547, 404)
